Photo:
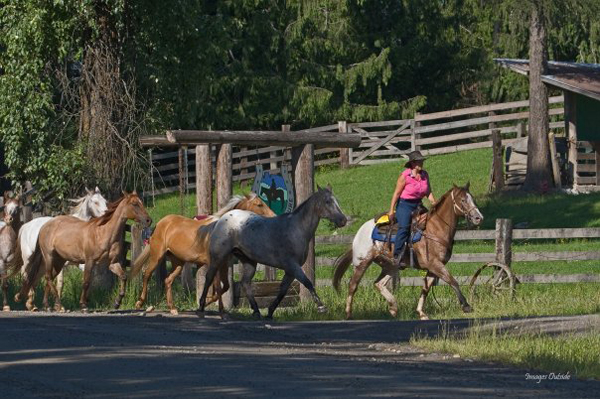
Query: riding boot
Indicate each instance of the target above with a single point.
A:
(400, 255)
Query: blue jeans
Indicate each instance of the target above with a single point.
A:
(404, 210)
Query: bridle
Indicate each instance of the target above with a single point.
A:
(455, 207)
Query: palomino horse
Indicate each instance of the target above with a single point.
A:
(175, 237)
(433, 251)
(98, 241)
(91, 205)
(9, 228)
(280, 242)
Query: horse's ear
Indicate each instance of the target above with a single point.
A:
(319, 188)
(97, 190)
(468, 185)
(125, 194)
(454, 185)
(87, 190)
(329, 187)
(134, 192)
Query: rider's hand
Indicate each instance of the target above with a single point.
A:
(391, 216)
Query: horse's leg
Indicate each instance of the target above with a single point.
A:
(118, 270)
(301, 277)
(223, 276)
(176, 268)
(30, 304)
(283, 289)
(381, 285)
(359, 271)
(214, 267)
(55, 265)
(440, 270)
(427, 284)
(87, 277)
(5, 306)
(60, 279)
(248, 270)
(156, 256)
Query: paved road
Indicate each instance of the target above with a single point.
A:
(98, 355)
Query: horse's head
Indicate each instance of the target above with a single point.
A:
(464, 205)
(253, 203)
(12, 207)
(329, 208)
(96, 204)
(134, 209)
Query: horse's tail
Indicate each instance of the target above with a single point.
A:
(339, 268)
(13, 267)
(31, 272)
(140, 262)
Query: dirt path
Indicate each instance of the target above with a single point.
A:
(78, 355)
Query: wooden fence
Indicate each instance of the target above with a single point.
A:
(387, 141)
(503, 235)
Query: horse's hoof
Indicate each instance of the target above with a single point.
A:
(34, 309)
(59, 309)
(467, 309)
(18, 297)
(174, 312)
(394, 313)
(225, 317)
(138, 305)
(84, 310)
(269, 317)
(117, 305)
(256, 316)
(322, 309)
(6, 308)
(424, 317)
(200, 314)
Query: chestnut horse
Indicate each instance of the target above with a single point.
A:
(176, 238)
(98, 241)
(9, 228)
(433, 251)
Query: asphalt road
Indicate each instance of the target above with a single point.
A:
(99, 355)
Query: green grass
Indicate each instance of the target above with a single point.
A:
(577, 355)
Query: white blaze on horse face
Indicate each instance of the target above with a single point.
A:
(11, 208)
(474, 209)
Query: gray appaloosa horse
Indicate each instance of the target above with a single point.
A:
(280, 242)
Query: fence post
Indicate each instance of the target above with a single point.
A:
(554, 161)
(344, 152)
(224, 191)
(498, 173)
(504, 241)
(413, 135)
(304, 180)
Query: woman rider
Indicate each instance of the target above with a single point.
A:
(412, 186)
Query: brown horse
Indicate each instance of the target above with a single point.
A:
(98, 241)
(176, 238)
(9, 228)
(433, 251)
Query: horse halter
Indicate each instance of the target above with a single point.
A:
(465, 213)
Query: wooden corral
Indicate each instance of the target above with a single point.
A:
(580, 84)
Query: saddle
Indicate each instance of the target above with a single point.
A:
(386, 230)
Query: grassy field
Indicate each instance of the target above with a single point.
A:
(567, 354)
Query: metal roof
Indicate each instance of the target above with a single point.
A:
(571, 76)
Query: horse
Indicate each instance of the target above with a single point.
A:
(98, 241)
(9, 228)
(281, 242)
(433, 251)
(90, 205)
(175, 238)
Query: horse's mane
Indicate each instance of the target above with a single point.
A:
(112, 207)
(236, 199)
(78, 204)
(440, 201)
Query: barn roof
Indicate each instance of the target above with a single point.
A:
(571, 76)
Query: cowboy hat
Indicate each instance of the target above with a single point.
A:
(414, 156)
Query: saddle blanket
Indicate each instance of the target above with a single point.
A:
(380, 233)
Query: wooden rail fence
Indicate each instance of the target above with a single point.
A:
(386, 141)
(504, 234)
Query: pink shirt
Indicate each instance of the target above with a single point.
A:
(416, 187)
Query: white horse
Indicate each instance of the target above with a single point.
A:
(91, 205)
